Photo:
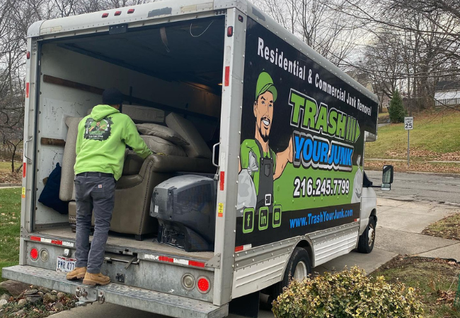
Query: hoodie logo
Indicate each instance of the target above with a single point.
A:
(98, 130)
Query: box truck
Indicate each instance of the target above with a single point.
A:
(261, 181)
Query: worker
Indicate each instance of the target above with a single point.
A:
(101, 143)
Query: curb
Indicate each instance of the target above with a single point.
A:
(408, 199)
(10, 185)
(434, 258)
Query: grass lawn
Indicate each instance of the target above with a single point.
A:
(435, 280)
(5, 172)
(10, 210)
(6, 165)
(434, 138)
(447, 228)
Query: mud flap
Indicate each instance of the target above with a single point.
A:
(246, 306)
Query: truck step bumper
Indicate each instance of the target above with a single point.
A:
(138, 298)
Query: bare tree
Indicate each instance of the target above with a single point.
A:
(383, 63)
(427, 44)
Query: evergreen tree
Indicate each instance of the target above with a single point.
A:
(396, 109)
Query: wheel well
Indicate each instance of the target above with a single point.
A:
(307, 246)
(374, 215)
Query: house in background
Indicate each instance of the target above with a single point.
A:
(447, 93)
(364, 79)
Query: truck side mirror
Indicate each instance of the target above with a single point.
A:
(387, 178)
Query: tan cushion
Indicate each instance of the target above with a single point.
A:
(160, 145)
(143, 114)
(197, 147)
(66, 190)
(162, 132)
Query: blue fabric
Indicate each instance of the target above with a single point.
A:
(50, 193)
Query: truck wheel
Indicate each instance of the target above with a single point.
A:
(297, 268)
(367, 239)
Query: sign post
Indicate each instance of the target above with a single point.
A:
(408, 125)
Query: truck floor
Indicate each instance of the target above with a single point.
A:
(128, 242)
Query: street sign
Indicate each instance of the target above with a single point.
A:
(408, 123)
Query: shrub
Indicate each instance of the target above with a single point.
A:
(396, 109)
(347, 294)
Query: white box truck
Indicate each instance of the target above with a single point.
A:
(287, 131)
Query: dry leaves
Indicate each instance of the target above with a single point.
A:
(446, 297)
(10, 178)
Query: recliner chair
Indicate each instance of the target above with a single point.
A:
(134, 189)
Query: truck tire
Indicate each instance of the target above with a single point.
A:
(367, 239)
(298, 268)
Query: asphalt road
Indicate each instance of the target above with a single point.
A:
(420, 187)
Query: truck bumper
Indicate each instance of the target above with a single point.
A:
(138, 298)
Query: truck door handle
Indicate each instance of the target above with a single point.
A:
(214, 154)
(26, 148)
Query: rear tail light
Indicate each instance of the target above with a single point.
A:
(130, 11)
(204, 285)
(188, 281)
(34, 254)
(105, 15)
(117, 12)
(44, 255)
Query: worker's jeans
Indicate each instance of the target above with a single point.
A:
(93, 193)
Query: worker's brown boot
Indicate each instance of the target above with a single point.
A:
(77, 273)
(95, 279)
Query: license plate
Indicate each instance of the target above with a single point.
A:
(65, 264)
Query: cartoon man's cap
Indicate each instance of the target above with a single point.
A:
(265, 83)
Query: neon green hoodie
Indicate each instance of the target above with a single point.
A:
(102, 139)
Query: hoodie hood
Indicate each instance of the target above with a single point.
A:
(101, 111)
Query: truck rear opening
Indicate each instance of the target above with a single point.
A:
(175, 68)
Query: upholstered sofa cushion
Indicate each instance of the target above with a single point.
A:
(197, 147)
(162, 132)
(66, 191)
(160, 145)
(142, 114)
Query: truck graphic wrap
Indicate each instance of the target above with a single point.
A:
(302, 141)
